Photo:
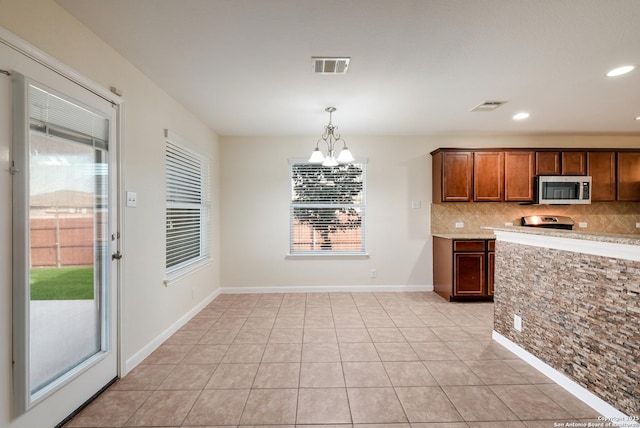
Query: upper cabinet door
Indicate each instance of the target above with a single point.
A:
(452, 176)
(629, 176)
(574, 163)
(601, 166)
(519, 169)
(488, 176)
(547, 163)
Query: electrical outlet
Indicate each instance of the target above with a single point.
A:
(517, 322)
(638, 225)
(508, 223)
(459, 224)
(416, 204)
(582, 224)
(373, 273)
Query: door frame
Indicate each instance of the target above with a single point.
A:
(23, 47)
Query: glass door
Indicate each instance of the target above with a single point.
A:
(64, 210)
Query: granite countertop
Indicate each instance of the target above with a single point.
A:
(572, 234)
(466, 236)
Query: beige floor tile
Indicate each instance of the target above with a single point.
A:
(371, 374)
(479, 350)
(433, 351)
(452, 334)
(187, 376)
(237, 312)
(452, 373)
(378, 322)
(407, 321)
(319, 335)
(233, 376)
(495, 372)
(259, 322)
(386, 334)
(353, 335)
(567, 401)
(348, 322)
(321, 375)
(111, 409)
(196, 323)
(419, 334)
(218, 407)
(478, 403)
(277, 375)
(409, 373)
(205, 354)
(252, 335)
(282, 353)
(145, 377)
(164, 408)
(375, 405)
(270, 406)
(318, 322)
(399, 425)
(244, 353)
(396, 352)
(440, 425)
(320, 353)
(289, 322)
(185, 337)
(265, 312)
(499, 424)
(527, 371)
(168, 354)
(427, 404)
(358, 352)
(286, 335)
(529, 403)
(323, 406)
(229, 323)
(217, 336)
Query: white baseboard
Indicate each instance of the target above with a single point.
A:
(139, 356)
(326, 288)
(610, 413)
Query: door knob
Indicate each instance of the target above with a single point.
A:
(116, 256)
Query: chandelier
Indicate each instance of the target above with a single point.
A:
(330, 138)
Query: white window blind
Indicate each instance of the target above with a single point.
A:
(187, 211)
(327, 210)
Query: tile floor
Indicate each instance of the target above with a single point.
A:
(335, 359)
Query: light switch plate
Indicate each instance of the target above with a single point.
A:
(459, 224)
(132, 199)
(416, 203)
(582, 224)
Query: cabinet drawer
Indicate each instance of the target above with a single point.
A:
(468, 246)
(491, 245)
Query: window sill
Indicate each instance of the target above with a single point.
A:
(171, 278)
(335, 256)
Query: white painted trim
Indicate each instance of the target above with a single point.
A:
(143, 353)
(610, 413)
(326, 289)
(574, 245)
(24, 47)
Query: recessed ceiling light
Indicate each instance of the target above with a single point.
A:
(620, 71)
(638, 118)
(521, 116)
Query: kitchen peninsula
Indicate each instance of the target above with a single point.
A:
(568, 302)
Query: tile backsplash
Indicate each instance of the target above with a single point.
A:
(603, 217)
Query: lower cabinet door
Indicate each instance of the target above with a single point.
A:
(490, 271)
(469, 274)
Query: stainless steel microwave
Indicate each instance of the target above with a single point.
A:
(562, 189)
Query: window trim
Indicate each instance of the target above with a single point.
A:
(177, 272)
(329, 254)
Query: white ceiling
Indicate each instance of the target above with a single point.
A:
(417, 66)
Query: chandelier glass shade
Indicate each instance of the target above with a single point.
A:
(330, 137)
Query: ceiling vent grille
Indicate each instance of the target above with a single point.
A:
(323, 65)
(488, 106)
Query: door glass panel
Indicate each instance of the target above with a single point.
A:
(68, 231)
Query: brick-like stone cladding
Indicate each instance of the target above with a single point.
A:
(580, 314)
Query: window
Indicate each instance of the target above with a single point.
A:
(327, 209)
(187, 215)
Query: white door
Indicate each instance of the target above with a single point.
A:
(64, 207)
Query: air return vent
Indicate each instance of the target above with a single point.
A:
(488, 106)
(324, 65)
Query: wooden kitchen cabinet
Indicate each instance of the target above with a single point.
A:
(463, 269)
(628, 176)
(519, 171)
(574, 163)
(452, 173)
(601, 166)
(548, 163)
(488, 176)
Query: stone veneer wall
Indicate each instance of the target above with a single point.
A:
(603, 217)
(580, 314)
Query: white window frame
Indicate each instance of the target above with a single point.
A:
(177, 144)
(361, 205)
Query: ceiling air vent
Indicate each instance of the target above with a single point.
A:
(488, 106)
(323, 65)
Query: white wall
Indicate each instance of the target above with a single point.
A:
(255, 204)
(150, 307)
